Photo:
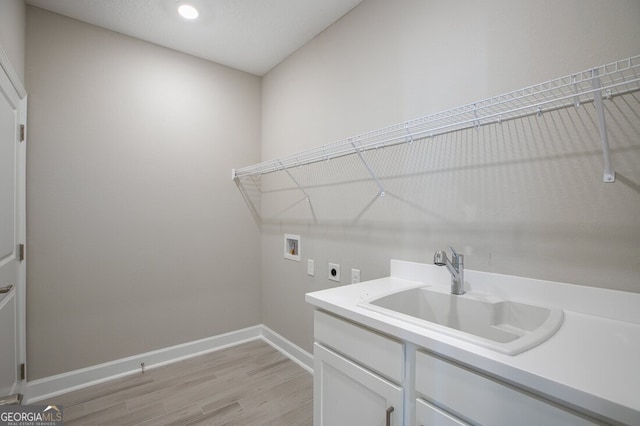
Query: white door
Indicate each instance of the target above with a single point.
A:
(12, 229)
(347, 394)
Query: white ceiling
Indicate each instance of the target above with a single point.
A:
(249, 35)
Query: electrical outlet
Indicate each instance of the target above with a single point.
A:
(311, 267)
(355, 276)
(334, 272)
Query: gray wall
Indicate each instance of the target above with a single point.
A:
(138, 239)
(12, 33)
(523, 198)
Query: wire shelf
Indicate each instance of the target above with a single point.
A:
(606, 81)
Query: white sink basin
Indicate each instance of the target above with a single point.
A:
(502, 325)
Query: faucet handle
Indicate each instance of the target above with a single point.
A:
(457, 258)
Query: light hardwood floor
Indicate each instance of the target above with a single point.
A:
(248, 384)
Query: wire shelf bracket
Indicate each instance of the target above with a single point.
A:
(609, 173)
(307, 198)
(613, 79)
(370, 170)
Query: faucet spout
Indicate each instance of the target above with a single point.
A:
(455, 267)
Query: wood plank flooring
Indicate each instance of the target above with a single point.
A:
(245, 385)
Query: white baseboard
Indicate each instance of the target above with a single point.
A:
(292, 351)
(49, 387)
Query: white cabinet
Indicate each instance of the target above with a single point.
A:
(347, 394)
(360, 374)
(378, 352)
(461, 393)
(356, 375)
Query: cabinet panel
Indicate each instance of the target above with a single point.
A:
(347, 394)
(429, 415)
(378, 352)
(484, 400)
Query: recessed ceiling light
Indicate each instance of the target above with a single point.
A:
(188, 12)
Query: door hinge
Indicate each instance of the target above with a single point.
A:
(23, 371)
(22, 133)
(21, 252)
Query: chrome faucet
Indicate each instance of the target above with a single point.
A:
(455, 267)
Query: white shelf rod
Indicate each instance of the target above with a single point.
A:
(616, 78)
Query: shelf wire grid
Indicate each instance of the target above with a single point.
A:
(616, 78)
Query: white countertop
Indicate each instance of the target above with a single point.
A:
(592, 362)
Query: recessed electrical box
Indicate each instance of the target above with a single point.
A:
(334, 272)
(292, 247)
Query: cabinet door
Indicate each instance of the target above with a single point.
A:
(346, 394)
(429, 415)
